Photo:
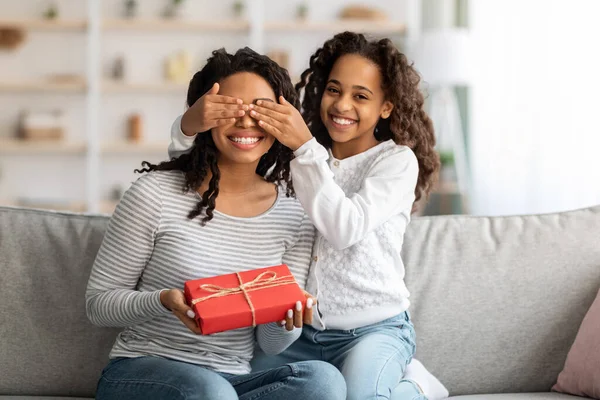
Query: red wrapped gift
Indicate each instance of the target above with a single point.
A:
(243, 299)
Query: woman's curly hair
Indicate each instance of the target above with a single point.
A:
(408, 124)
(274, 166)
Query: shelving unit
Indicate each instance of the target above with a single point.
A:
(177, 25)
(128, 147)
(135, 87)
(41, 86)
(25, 147)
(45, 25)
(337, 26)
(95, 90)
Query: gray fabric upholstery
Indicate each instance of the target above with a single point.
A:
(43, 398)
(496, 301)
(517, 396)
(48, 346)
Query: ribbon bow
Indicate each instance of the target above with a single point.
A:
(267, 279)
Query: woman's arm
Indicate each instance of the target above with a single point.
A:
(274, 338)
(112, 298)
(344, 220)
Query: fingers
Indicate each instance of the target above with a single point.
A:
(289, 320)
(308, 312)
(220, 99)
(214, 89)
(284, 108)
(224, 114)
(270, 129)
(298, 315)
(189, 322)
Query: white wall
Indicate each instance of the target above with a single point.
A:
(63, 177)
(535, 141)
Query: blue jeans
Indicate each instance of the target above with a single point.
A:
(157, 378)
(371, 358)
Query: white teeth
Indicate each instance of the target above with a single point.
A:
(343, 121)
(245, 140)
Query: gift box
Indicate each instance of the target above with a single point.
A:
(243, 299)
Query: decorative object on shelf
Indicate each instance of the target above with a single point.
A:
(178, 67)
(281, 57)
(135, 128)
(302, 11)
(116, 192)
(11, 38)
(49, 125)
(238, 8)
(448, 170)
(362, 13)
(65, 79)
(174, 9)
(51, 12)
(118, 69)
(130, 8)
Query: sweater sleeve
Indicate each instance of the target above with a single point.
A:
(273, 338)
(112, 298)
(387, 190)
(180, 143)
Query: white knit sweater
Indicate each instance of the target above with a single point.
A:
(360, 206)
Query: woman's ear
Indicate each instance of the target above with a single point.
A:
(386, 109)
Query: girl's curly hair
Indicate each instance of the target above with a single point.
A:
(274, 166)
(407, 125)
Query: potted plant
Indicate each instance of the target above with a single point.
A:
(448, 171)
(130, 10)
(302, 11)
(174, 8)
(238, 8)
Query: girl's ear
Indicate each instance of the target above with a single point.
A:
(386, 109)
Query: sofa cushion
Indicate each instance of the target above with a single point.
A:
(497, 301)
(48, 346)
(581, 374)
(517, 396)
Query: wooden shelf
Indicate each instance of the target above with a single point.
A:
(163, 25)
(42, 86)
(131, 87)
(45, 25)
(20, 146)
(127, 147)
(337, 26)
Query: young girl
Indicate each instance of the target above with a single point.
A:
(213, 211)
(371, 158)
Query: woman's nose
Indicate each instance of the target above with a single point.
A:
(246, 121)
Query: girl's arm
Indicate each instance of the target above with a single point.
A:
(112, 298)
(180, 142)
(273, 338)
(387, 190)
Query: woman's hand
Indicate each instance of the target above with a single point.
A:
(174, 301)
(212, 110)
(283, 121)
(295, 318)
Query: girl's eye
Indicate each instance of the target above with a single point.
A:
(362, 97)
(332, 90)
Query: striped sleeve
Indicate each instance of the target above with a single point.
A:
(273, 338)
(298, 256)
(112, 298)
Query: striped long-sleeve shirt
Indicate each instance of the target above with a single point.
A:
(150, 245)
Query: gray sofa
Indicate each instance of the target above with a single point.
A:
(496, 301)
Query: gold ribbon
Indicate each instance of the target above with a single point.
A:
(265, 280)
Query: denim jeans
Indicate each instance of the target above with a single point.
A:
(154, 378)
(371, 358)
